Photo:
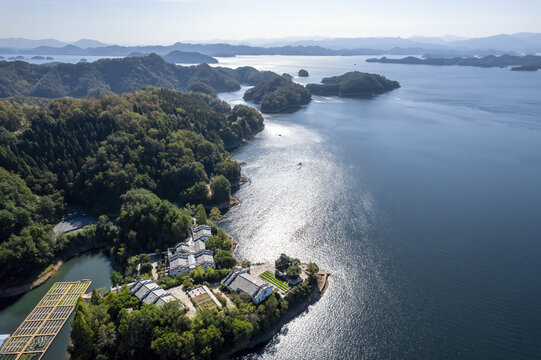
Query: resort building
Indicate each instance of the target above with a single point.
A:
(185, 257)
(241, 280)
(149, 292)
(202, 232)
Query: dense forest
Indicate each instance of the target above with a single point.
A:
(18, 78)
(278, 94)
(353, 84)
(93, 151)
(105, 329)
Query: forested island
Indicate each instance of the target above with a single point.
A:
(188, 57)
(526, 68)
(278, 94)
(182, 57)
(19, 78)
(528, 62)
(353, 84)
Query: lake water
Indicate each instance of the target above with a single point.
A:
(94, 266)
(424, 203)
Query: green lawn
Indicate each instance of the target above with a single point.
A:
(268, 276)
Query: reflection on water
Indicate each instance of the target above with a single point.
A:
(423, 203)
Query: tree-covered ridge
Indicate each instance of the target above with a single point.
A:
(486, 61)
(188, 57)
(278, 94)
(353, 84)
(18, 78)
(94, 150)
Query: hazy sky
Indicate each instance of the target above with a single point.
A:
(168, 21)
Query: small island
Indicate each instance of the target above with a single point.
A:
(303, 73)
(528, 61)
(186, 57)
(37, 57)
(526, 68)
(278, 95)
(353, 84)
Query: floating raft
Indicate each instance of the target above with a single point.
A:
(33, 337)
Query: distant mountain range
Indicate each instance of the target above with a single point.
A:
(529, 43)
(520, 42)
(21, 43)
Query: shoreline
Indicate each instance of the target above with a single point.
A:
(266, 334)
(22, 289)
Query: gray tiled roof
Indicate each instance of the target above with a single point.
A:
(184, 257)
(240, 280)
(149, 292)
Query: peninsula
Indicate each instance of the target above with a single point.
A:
(179, 291)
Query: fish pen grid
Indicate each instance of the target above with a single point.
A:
(30, 356)
(51, 327)
(69, 299)
(28, 328)
(39, 343)
(61, 312)
(50, 300)
(15, 344)
(59, 288)
(78, 288)
(8, 356)
(35, 334)
(39, 313)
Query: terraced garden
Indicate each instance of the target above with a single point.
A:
(268, 276)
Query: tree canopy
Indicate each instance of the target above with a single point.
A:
(278, 94)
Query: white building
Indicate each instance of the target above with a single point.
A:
(241, 280)
(185, 257)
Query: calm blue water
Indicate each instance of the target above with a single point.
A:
(425, 203)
